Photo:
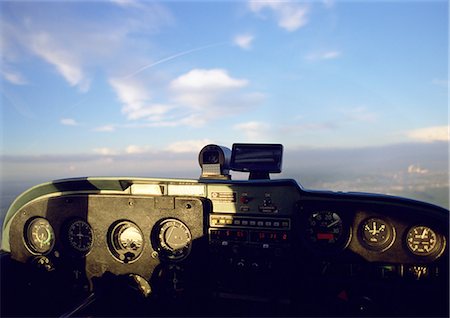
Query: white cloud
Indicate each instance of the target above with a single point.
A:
(360, 114)
(207, 94)
(253, 130)
(326, 55)
(14, 77)
(69, 122)
(125, 3)
(74, 45)
(136, 100)
(188, 146)
(195, 98)
(328, 4)
(430, 134)
(105, 151)
(244, 41)
(441, 82)
(202, 89)
(210, 80)
(134, 149)
(105, 128)
(65, 61)
(289, 15)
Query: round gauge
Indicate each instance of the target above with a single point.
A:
(377, 234)
(173, 239)
(126, 241)
(40, 235)
(422, 240)
(326, 231)
(80, 236)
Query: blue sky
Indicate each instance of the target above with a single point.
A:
(110, 79)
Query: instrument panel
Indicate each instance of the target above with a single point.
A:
(255, 240)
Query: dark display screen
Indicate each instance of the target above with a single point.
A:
(257, 157)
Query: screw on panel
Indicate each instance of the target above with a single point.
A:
(188, 206)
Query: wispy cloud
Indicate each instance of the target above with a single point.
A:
(136, 100)
(324, 55)
(64, 60)
(209, 94)
(44, 32)
(328, 4)
(430, 134)
(244, 41)
(360, 114)
(125, 3)
(315, 127)
(69, 122)
(105, 128)
(441, 82)
(105, 151)
(190, 99)
(188, 146)
(135, 149)
(289, 15)
(253, 130)
(206, 79)
(14, 77)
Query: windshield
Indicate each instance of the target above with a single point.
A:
(355, 91)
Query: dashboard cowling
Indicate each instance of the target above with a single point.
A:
(237, 242)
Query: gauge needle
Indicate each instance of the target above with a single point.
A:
(424, 233)
(332, 224)
(168, 237)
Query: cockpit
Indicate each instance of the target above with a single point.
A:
(214, 246)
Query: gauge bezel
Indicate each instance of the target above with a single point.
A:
(27, 236)
(334, 248)
(115, 250)
(377, 247)
(74, 249)
(164, 251)
(437, 251)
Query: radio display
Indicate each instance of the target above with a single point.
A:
(257, 157)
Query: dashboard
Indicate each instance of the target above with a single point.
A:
(215, 246)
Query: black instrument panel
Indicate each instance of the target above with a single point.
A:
(252, 242)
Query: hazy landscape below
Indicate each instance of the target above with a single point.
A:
(417, 171)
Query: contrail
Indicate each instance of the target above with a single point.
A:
(173, 57)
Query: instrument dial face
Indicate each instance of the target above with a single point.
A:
(80, 236)
(126, 241)
(40, 236)
(326, 231)
(377, 234)
(422, 240)
(174, 239)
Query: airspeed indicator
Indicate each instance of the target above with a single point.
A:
(325, 231)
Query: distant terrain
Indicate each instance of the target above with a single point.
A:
(416, 171)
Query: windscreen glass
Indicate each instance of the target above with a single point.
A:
(355, 91)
